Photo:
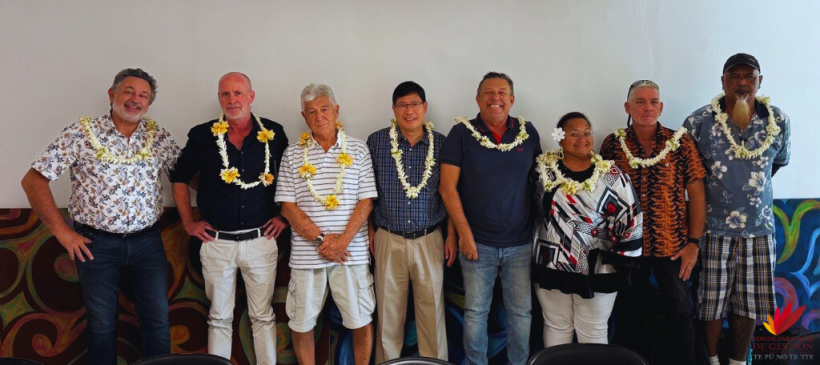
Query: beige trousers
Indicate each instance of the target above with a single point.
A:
(398, 262)
(256, 260)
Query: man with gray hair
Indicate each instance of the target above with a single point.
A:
(326, 189)
(665, 167)
(115, 161)
(236, 159)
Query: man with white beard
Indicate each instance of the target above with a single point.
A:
(743, 140)
(115, 161)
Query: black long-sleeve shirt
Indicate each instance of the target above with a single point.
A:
(228, 207)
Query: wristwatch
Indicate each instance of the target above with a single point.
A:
(319, 239)
(694, 241)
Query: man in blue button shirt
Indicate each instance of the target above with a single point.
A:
(743, 141)
(486, 163)
(405, 229)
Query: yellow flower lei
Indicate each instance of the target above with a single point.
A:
(772, 129)
(230, 174)
(503, 147)
(412, 192)
(104, 155)
(307, 170)
(549, 161)
(635, 162)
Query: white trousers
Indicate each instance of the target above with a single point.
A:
(257, 260)
(568, 314)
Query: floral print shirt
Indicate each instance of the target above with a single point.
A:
(117, 198)
(739, 192)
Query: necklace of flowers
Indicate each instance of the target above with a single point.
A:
(230, 174)
(772, 129)
(634, 162)
(503, 147)
(549, 161)
(412, 192)
(104, 155)
(307, 170)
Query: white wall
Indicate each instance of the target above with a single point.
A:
(57, 59)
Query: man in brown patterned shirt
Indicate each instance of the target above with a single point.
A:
(665, 167)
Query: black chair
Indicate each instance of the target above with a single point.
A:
(184, 359)
(17, 361)
(802, 349)
(416, 361)
(586, 354)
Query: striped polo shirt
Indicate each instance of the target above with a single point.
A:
(359, 184)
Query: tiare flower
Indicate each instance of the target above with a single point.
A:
(229, 175)
(266, 179)
(265, 135)
(344, 159)
(331, 202)
(307, 170)
(558, 134)
(219, 128)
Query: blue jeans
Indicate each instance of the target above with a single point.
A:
(144, 253)
(513, 264)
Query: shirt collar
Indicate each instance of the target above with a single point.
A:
(423, 137)
(107, 125)
(482, 127)
(338, 143)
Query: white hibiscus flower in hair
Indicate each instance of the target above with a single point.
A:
(558, 134)
(718, 170)
(736, 220)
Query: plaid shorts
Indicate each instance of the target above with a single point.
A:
(738, 274)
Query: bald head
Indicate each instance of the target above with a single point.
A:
(234, 75)
(236, 96)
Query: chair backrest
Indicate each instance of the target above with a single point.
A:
(184, 359)
(802, 348)
(416, 361)
(17, 361)
(586, 354)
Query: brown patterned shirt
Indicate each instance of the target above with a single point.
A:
(660, 188)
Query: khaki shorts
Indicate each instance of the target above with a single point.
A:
(351, 287)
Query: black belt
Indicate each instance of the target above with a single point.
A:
(100, 232)
(250, 235)
(416, 234)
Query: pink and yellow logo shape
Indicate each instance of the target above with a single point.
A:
(783, 319)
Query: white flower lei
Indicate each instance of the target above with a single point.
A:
(549, 160)
(307, 170)
(772, 129)
(104, 155)
(634, 162)
(486, 143)
(230, 174)
(412, 192)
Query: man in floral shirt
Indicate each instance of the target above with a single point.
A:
(115, 161)
(743, 141)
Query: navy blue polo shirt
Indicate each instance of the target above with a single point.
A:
(495, 186)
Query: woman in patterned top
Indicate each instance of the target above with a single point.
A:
(589, 235)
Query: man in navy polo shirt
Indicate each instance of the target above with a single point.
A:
(485, 165)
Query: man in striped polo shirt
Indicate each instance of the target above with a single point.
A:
(326, 186)
(408, 245)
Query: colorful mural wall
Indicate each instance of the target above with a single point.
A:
(42, 316)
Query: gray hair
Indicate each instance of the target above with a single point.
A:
(642, 84)
(138, 73)
(496, 75)
(313, 91)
